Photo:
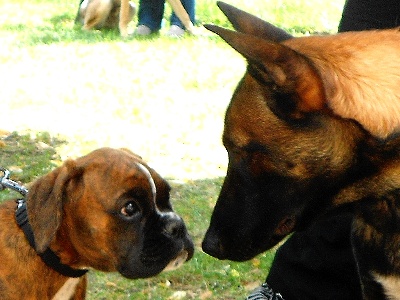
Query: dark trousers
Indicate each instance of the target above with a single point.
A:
(151, 13)
(370, 14)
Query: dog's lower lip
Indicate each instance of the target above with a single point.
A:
(178, 261)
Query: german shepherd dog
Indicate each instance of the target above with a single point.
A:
(312, 125)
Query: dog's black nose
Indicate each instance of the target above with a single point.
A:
(174, 225)
(212, 245)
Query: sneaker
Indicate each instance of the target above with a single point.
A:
(264, 292)
(142, 30)
(175, 31)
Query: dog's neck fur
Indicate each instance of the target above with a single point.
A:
(45, 283)
(350, 64)
(384, 179)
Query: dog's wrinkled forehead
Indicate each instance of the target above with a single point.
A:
(118, 171)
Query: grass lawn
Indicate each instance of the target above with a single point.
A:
(163, 98)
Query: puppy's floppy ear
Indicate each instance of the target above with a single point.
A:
(252, 25)
(295, 83)
(45, 203)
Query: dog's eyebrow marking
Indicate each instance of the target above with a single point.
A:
(150, 179)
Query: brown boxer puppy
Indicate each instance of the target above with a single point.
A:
(107, 210)
(312, 125)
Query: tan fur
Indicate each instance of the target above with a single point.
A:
(378, 186)
(67, 290)
(360, 71)
(98, 14)
(391, 285)
(124, 17)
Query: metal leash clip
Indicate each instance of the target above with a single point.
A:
(6, 182)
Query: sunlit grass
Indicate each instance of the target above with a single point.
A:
(164, 105)
(163, 98)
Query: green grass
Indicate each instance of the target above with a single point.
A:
(45, 22)
(26, 158)
(162, 98)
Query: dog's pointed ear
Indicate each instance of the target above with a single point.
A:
(45, 203)
(288, 74)
(252, 25)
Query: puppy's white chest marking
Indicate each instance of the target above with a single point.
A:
(67, 290)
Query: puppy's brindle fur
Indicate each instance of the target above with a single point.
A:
(107, 210)
(312, 125)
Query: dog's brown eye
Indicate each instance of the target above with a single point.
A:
(130, 209)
